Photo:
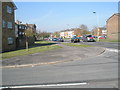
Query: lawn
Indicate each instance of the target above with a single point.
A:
(76, 45)
(108, 40)
(45, 47)
(67, 38)
(42, 42)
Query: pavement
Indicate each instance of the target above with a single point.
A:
(64, 54)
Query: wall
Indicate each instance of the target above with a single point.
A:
(112, 27)
(21, 42)
(5, 31)
(0, 27)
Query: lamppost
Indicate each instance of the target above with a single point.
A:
(98, 30)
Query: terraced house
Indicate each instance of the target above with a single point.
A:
(8, 26)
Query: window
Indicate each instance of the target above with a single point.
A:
(16, 30)
(25, 27)
(20, 27)
(9, 9)
(9, 25)
(10, 40)
(3, 23)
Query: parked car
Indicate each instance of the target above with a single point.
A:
(94, 36)
(88, 38)
(75, 39)
(60, 40)
(46, 39)
(102, 37)
(54, 39)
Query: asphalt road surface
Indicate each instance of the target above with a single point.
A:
(112, 45)
(100, 71)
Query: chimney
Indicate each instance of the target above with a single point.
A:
(18, 22)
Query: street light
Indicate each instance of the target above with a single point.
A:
(98, 30)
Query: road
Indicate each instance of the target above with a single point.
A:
(112, 45)
(100, 71)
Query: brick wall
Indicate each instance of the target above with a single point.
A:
(6, 32)
(113, 27)
(21, 42)
(21, 39)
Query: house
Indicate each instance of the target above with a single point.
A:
(67, 33)
(8, 26)
(113, 27)
(20, 30)
(100, 31)
(62, 34)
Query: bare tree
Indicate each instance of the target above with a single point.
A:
(84, 29)
(43, 34)
(77, 31)
(56, 34)
(94, 30)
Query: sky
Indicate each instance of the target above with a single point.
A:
(56, 16)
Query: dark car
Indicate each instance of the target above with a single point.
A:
(88, 38)
(60, 40)
(75, 39)
(54, 39)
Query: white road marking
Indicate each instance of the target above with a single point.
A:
(49, 85)
(113, 50)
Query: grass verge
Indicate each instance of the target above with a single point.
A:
(42, 42)
(107, 40)
(31, 50)
(76, 45)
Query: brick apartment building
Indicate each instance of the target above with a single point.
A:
(20, 34)
(13, 34)
(113, 27)
(8, 26)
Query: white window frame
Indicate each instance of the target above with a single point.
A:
(3, 23)
(9, 9)
(10, 40)
(9, 25)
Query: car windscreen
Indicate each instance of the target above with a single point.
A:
(89, 36)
